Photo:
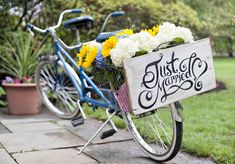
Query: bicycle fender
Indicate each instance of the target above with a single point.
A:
(177, 111)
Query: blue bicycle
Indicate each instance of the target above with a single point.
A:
(64, 87)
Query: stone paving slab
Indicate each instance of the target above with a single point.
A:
(63, 123)
(3, 129)
(119, 153)
(58, 156)
(36, 139)
(91, 126)
(5, 158)
(30, 141)
(34, 126)
(128, 152)
(45, 115)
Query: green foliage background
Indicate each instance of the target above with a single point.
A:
(206, 18)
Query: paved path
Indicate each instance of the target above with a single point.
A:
(46, 139)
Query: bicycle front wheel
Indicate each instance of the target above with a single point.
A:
(56, 88)
(157, 133)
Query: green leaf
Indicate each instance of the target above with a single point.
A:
(177, 40)
(142, 52)
(2, 103)
(2, 92)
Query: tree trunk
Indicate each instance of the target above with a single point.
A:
(230, 47)
(22, 17)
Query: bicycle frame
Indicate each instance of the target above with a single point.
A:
(61, 53)
(84, 86)
(60, 47)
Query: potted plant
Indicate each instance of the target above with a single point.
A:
(2, 94)
(19, 57)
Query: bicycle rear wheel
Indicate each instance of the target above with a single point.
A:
(56, 88)
(157, 133)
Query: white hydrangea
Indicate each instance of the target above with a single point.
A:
(183, 33)
(144, 41)
(165, 32)
(167, 27)
(155, 43)
(168, 31)
(125, 49)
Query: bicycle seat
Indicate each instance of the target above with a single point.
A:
(78, 22)
(105, 35)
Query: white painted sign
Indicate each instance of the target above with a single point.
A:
(168, 75)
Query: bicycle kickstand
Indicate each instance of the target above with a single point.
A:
(81, 110)
(105, 134)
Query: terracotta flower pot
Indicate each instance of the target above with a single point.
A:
(23, 99)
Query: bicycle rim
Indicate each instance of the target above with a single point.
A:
(157, 133)
(56, 89)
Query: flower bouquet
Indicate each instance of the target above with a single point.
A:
(105, 60)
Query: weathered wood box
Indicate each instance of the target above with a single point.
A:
(162, 77)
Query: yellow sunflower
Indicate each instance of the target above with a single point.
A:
(87, 55)
(108, 45)
(83, 51)
(153, 31)
(91, 55)
(86, 64)
(125, 32)
(79, 63)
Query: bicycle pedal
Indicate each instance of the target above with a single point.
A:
(107, 133)
(77, 121)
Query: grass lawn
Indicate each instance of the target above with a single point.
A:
(209, 119)
(209, 127)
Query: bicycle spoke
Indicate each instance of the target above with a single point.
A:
(156, 115)
(65, 102)
(71, 94)
(59, 93)
(155, 130)
(68, 101)
(162, 125)
(70, 98)
(162, 129)
(71, 90)
(49, 76)
(66, 82)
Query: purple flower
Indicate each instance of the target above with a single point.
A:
(8, 79)
(17, 81)
(99, 60)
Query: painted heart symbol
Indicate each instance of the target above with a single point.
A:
(199, 67)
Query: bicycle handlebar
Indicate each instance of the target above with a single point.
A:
(117, 13)
(32, 27)
(114, 14)
(76, 10)
(64, 12)
(51, 29)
